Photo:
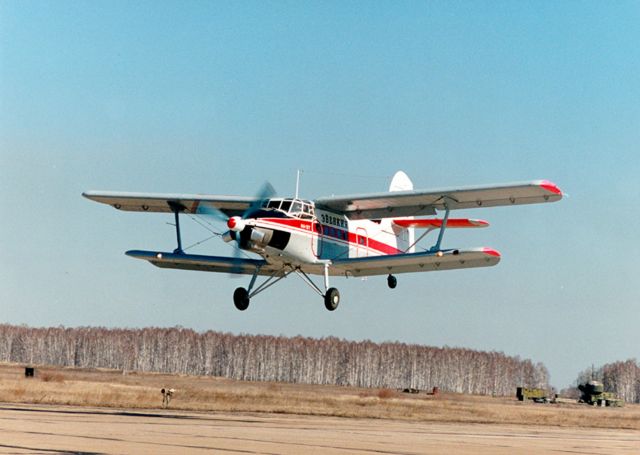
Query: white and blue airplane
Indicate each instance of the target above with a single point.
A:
(352, 236)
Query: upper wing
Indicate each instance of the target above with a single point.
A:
(158, 202)
(243, 266)
(426, 202)
(418, 262)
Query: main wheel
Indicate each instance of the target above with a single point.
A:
(392, 281)
(331, 299)
(241, 299)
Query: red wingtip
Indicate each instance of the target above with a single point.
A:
(491, 252)
(550, 186)
(479, 223)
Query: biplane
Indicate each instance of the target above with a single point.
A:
(350, 236)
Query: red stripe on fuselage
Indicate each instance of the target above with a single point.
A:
(307, 226)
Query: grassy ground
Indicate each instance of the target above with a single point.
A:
(113, 389)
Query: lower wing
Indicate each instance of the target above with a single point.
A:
(418, 262)
(202, 263)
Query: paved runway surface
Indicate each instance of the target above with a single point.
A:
(54, 429)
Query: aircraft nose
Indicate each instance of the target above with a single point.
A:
(235, 223)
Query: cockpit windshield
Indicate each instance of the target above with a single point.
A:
(293, 207)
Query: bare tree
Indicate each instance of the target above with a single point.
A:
(297, 360)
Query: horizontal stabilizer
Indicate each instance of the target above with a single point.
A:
(433, 223)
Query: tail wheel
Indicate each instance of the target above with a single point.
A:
(332, 299)
(392, 281)
(241, 299)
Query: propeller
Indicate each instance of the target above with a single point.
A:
(266, 192)
(237, 224)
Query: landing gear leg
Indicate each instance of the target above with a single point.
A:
(242, 296)
(392, 281)
(332, 296)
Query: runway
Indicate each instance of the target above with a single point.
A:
(54, 429)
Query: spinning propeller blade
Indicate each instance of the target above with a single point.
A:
(266, 192)
(209, 210)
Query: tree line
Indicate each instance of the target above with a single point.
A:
(621, 378)
(273, 358)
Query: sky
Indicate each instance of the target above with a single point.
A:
(219, 97)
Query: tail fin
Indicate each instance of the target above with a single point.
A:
(401, 182)
(406, 236)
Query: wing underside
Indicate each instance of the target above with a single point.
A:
(427, 202)
(242, 266)
(418, 262)
(367, 266)
(168, 202)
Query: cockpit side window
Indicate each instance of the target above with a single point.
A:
(296, 207)
(274, 204)
(286, 205)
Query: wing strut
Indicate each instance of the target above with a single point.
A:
(436, 247)
(176, 208)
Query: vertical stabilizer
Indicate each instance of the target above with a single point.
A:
(402, 182)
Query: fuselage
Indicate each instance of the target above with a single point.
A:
(293, 231)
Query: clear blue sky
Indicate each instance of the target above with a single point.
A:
(217, 97)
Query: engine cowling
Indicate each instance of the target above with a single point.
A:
(260, 237)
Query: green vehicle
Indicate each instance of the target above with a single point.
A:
(537, 395)
(593, 393)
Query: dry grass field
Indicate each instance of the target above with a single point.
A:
(113, 389)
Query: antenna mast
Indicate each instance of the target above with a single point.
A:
(299, 172)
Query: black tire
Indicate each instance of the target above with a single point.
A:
(392, 281)
(331, 299)
(241, 299)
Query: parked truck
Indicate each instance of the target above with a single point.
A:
(593, 393)
(537, 395)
